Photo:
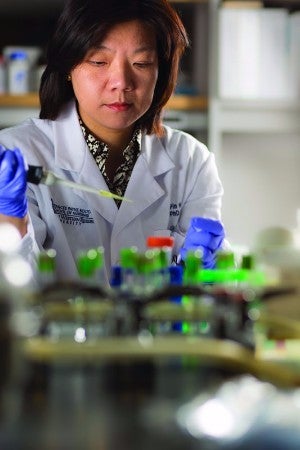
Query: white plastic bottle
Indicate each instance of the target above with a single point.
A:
(2, 75)
(18, 73)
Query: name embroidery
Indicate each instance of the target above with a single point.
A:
(72, 216)
(175, 209)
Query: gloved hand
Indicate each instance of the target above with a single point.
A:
(13, 184)
(206, 234)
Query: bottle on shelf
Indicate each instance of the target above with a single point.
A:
(2, 75)
(18, 73)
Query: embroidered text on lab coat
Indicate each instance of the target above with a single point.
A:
(72, 216)
(175, 209)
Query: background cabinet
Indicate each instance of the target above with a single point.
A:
(256, 142)
(257, 147)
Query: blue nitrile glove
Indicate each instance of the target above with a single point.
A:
(206, 234)
(13, 175)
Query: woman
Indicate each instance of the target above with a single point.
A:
(111, 68)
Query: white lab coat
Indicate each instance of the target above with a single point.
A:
(174, 179)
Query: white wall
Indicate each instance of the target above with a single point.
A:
(261, 178)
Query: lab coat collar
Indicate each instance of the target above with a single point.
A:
(156, 155)
(69, 140)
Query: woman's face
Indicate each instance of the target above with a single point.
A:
(115, 83)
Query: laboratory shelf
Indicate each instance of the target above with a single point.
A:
(184, 102)
(30, 100)
(257, 116)
(16, 108)
(187, 102)
(245, 116)
(290, 4)
(189, 1)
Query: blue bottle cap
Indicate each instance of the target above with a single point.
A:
(18, 55)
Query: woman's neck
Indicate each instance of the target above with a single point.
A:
(116, 140)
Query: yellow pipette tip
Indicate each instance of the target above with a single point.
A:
(111, 195)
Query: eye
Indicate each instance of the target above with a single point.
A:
(96, 63)
(143, 64)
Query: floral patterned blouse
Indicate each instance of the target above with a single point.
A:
(100, 152)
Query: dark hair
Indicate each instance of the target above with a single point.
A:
(83, 24)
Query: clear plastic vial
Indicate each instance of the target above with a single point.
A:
(165, 243)
(18, 73)
(46, 265)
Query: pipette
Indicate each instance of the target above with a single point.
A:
(37, 175)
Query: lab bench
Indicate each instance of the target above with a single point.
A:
(118, 390)
(115, 405)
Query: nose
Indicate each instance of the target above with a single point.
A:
(121, 77)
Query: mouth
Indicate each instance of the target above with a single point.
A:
(119, 106)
